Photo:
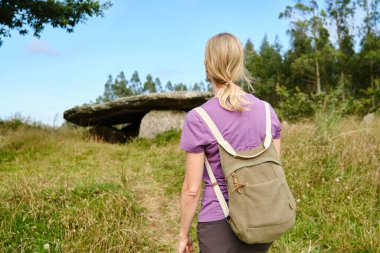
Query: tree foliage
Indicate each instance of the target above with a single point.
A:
(323, 67)
(22, 15)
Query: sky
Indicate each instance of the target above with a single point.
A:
(41, 78)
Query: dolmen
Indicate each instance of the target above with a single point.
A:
(143, 115)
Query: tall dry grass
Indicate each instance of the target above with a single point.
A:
(62, 192)
(333, 166)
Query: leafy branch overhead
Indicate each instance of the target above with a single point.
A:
(23, 15)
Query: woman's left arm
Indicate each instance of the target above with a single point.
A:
(190, 195)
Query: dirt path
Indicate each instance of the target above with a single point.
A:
(161, 211)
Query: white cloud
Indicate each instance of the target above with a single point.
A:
(36, 46)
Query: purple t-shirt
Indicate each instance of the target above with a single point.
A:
(243, 130)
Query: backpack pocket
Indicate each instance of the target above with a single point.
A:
(267, 204)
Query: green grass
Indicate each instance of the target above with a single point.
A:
(62, 189)
(70, 219)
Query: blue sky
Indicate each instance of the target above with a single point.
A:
(41, 78)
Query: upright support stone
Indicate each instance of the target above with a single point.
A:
(156, 122)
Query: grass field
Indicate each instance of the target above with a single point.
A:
(61, 191)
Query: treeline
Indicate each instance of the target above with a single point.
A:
(121, 87)
(332, 64)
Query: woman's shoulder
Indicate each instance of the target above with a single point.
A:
(259, 101)
(253, 97)
(210, 102)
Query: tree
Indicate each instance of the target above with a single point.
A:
(308, 28)
(249, 55)
(120, 87)
(249, 48)
(180, 87)
(342, 12)
(114, 89)
(208, 86)
(158, 84)
(367, 71)
(108, 94)
(268, 67)
(202, 86)
(169, 86)
(149, 85)
(369, 55)
(135, 84)
(66, 14)
(196, 87)
(372, 15)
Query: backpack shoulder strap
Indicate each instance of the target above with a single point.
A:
(215, 131)
(268, 126)
(218, 136)
(217, 190)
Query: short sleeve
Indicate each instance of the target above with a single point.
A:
(195, 134)
(276, 124)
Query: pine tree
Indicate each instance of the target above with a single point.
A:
(149, 85)
(367, 72)
(108, 92)
(135, 84)
(180, 87)
(120, 87)
(196, 87)
(202, 86)
(341, 12)
(158, 84)
(307, 29)
(169, 86)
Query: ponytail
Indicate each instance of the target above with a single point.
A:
(232, 97)
(225, 65)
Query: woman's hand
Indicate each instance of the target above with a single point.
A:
(185, 245)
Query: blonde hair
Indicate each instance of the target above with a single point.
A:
(224, 59)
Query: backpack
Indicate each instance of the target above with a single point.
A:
(261, 206)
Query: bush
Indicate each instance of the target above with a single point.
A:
(17, 120)
(296, 105)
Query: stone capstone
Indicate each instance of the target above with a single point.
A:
(156, 122)
(132, 109)
(119, 120)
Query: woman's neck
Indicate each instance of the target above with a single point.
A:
(216, 88)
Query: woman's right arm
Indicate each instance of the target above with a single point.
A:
(190, 195)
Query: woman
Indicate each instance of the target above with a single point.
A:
(240, 117)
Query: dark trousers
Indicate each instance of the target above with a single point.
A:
(217, 237)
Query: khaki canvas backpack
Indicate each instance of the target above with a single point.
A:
(261, 206)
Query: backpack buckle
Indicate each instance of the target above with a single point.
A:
(235, 180)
